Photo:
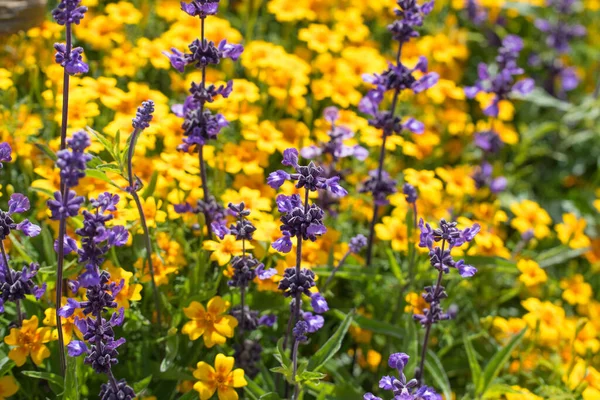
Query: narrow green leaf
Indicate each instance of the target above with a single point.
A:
(149, 189)
(254, 389)
(46, 376)
(191, 395)
(281, 355)
(497, 362)
(172, 346)
(98, 174)
(394, 266)
(332, 346)
(472, 357)
(140, 386)
(438, 373)
(46, 150)
(71, 380)
(270, 396)
(411, 342)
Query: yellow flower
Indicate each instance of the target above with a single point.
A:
(123, 13)
(8, 387)
(415, 303)
(548, 316)
(570, 231)
(320, 38)
(130, 292)
(458, 180)
(225, 248)
(29, 341)
(393, 229)
(212, 323)
(266, 136)
(221, 379)
(576, 290)
(529, 215)
(152, 212)
(68, 324)
(5, 81)
(531, 273)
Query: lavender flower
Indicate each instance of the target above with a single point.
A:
(440, 258)
(502, 84)
(72, 163)
(396, 79)
(5, 153)
(401, 387)
(71, 61)
(69, 12)
(101, 348)
(201, 124)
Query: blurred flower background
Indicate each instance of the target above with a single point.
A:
(505, 137)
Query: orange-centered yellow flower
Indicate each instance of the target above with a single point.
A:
(221, 379)
(212, 322)
(8, 387)
(571, 231)
(531, 273)
(529, 215)
(29, 341)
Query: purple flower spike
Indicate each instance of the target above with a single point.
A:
(18, 203)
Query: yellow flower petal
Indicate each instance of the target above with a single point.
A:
(223, 364)
(195, 310)
(206, 390)
(238, 378)
(204, 372)
(227, 393)
(217, 306)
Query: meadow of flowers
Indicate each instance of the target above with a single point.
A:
(301, 199)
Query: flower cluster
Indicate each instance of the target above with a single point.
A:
(66, 13)
(401, 387)
(101, 348)
(501, 84)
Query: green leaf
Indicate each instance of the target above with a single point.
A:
(140, 386)
(411, 342)
(71, 380)
(46, 150)
(56, 381)
(310, 376)
(108, 146)
(270, 396)
(98, 174)
(472, 357)
(149, 190)
(493, 368)
(394, 266)
(281, 355)
(254, 389)
(172, 346)
(559, 255)
(438, 373)
(191, 395)
(374, 325)
(332, 345)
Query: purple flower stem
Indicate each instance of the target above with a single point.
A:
(419, 371)
(205, 192)
(380, 170)
(242, 292)
(62, 223)
(295, 364)
(148, 243)
(340, 264)
(10, 281)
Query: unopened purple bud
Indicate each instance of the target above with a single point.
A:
(398, 361)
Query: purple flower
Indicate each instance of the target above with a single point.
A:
(200, 8)
(290, 157)
(386, 383)
(283, 244)
(332, 184)
(18, 203)
(465, 270)
(177, 59)
(63, 208)
(371, 396)
(5, 153)
(268, 320)
(73, 62)
(229, 50)
(263, 273)
(277, 178)
(28, 228)
(76, 348)
(68, 309)
(319, 304)
(414, 126)
(69, 12)
(331, 114)
(314, 322)
(398, 361)
(425, 82)
(357, 243)
(143, 115)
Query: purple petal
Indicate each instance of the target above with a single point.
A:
(318, 303)
(331, 114)
(68, 309)
(118, 236)
(385, 383)
(524, 86)
(219, 228)
(38, 291)
(5, 152)
(311, 152)
(277, 178)
(18, 203)
(283, 244)
(117, 318)
(28, 228)
(229, 50)
(267, 320)
(425, 82)
(76, 348)
(290, 157)
(332, 184)
(414, 126)
(315, 322)
(316, 229)
(465, 270)
(263, 273)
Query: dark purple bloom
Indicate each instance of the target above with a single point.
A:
(200, 8)
(293, 284)
(380, 186)
(300, 331)
(69, 12)
(73, 62)
(143, 115)
(410, 192)
(72, 162)
(398, 361)
(268, 320)
(63, 208)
